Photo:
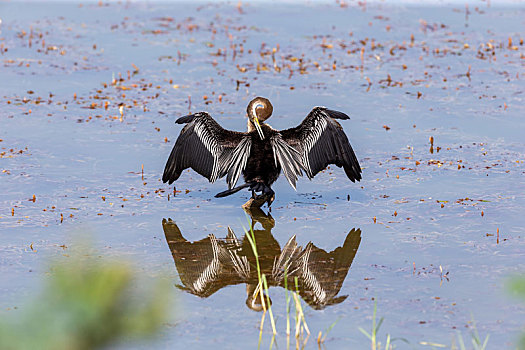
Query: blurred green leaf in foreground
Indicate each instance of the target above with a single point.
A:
(87, 303)
(517, 287)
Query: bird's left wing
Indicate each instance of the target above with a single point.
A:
(207, 148)
(288, 158)
(233, 160)
(321, 274)
(321, 141)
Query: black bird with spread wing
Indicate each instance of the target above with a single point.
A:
(262, 152)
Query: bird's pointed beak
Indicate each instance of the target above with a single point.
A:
(258, 127)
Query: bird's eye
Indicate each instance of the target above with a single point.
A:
(259, 106)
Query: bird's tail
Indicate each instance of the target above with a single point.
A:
(232, 190)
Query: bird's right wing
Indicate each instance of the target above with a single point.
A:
(207, 148)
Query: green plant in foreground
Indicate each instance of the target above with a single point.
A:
(375, 329)
(300, 321)
(517, 287)
(87, 303)
(376, 345)
(266, 304)
(476, 341)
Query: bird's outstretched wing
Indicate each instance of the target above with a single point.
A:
(288, 157)
(209, 149)
(321, 141)
(321, 274)
(207, 265)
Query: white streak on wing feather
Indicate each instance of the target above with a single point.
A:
(211, 272)
(311, 139)
(211, 144)
(236, 161)
(288, 157)
(282, 264)
(310, 279)
(240, 263)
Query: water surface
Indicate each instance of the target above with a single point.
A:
(428, 215)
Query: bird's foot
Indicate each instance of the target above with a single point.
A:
(255, 202)
(258, 200)
(270, 195)
(267, 195)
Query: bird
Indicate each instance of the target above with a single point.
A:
(212, 263)
(262, 152)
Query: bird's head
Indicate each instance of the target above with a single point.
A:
(259, 109)
(253, 299)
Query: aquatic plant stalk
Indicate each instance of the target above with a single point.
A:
(299, 318)
(262, 280)
(269, 304)
(375, 329)
(287, 301)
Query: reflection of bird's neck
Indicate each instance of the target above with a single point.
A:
(253, 299)
(257, 215)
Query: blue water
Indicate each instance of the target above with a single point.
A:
(76, 155)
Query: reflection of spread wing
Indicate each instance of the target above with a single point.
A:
(283, 264)
(321, 274)
(207, 265)
(231, 255)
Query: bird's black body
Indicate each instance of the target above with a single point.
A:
(261, 153)
(261, 166)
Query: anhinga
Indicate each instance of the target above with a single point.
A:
(210, 264)
(262, 152)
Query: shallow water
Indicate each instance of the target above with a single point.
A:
(429, 253)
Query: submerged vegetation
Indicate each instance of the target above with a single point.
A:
(87, 303)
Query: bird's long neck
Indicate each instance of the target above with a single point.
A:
(251, 127)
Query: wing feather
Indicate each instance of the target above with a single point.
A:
(201, 146)
(288, 157)
(321, 141)
(234, 161)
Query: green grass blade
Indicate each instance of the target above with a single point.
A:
(379, 324)
(365, 333)
(460, 341)
(485, 343)
(329, 329)
(269, 305)
(287, 301)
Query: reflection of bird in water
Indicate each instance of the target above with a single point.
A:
(210, 264)
(262, 152)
